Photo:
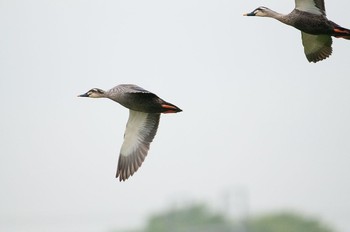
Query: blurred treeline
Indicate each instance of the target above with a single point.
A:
(200, 218)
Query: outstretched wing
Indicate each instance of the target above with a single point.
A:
(316, 47)
(311, 6)
(140, 131)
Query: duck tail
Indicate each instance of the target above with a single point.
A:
(341, 32)
(169, 108)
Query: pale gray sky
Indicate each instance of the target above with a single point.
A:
(256, 113)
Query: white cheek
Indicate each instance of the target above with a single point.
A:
(261, 14)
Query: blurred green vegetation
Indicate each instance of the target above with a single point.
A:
(286, 222)
(199, 217)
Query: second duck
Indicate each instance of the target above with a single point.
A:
(309, 16)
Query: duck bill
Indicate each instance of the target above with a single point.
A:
(249, 14)
(83, 95)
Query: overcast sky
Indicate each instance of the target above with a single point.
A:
(257, 117)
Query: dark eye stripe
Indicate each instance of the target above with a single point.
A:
(96, 90)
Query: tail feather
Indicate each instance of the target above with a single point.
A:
(169, 108)
(341, 32)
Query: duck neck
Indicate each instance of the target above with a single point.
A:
(278, 16)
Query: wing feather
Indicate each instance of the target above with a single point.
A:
(311, 6)
(140, 131)
(316, 47)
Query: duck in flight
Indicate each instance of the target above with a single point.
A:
(144, 114)
(309, 16)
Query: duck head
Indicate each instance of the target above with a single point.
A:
(94, 93)
(260, 11)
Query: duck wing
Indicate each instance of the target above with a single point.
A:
(311, 6)
(316, 47)
(139, 133)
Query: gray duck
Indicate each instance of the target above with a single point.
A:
(144, 114)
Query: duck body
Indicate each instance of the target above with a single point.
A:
(316, 24)
(138, 99)
(145, 109)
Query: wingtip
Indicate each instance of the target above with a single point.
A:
(121, 177)
(128, 165)
(320, 55)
